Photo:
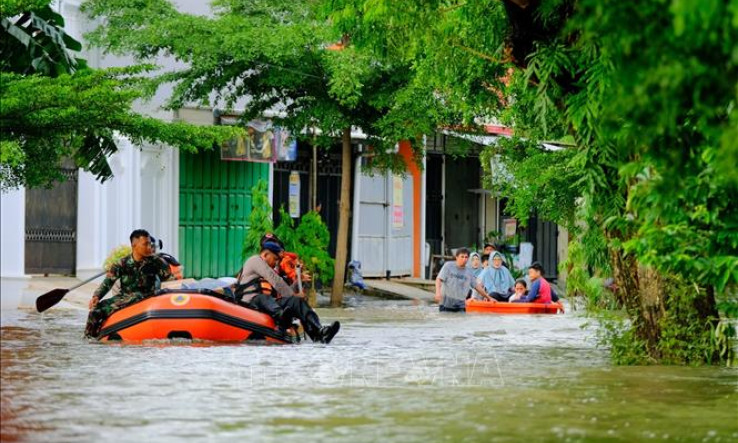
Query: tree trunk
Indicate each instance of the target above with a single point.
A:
(706, 308)
(343, 221)
(641, 292)
(652, 291)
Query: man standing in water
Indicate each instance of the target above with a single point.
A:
(262, 289)
(454, 283)
(140, 274)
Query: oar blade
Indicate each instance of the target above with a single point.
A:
(45, 301)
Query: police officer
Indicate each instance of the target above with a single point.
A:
(262, 289)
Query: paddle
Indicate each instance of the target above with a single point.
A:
(298, 270)
(45, 301)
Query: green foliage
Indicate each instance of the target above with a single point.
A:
(617, 333)
(534, 178)
(584, 285)
(686, 339)
(55, 108)
(260, 220)
(274, 54)
(645, 92)
(34, 42)
(309, 240)
(11, 8)
(115, 255)
(75, 116)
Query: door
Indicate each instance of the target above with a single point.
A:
(544, 235)
(384, 224)
(51, 227)
(214, 207)
(461, 211)
(328, 184)
(434, 203)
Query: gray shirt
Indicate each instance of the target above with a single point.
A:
(456, 283)
(256, 267)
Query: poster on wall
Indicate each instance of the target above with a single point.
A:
(294, 195)
(511, 227)
(398, 217)
(286, 146)
(256, 146)
(262, 143)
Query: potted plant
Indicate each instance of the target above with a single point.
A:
(512, 244)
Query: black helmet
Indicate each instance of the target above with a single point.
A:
(269, 237)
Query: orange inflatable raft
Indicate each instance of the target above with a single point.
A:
(491, 307)
(191, 314)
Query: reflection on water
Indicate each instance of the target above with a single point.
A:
(396, 372)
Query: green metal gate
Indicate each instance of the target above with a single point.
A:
(214, 207)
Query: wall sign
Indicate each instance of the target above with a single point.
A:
(294, 194)
(262, 143)
(398, 216)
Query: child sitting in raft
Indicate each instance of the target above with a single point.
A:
(521, 290)
(540, 289)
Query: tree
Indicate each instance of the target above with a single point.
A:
(54, 107)
(273, 56)
(646, 94)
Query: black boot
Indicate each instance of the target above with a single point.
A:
(312, 327)
(328, 332)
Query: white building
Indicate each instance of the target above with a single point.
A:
(143, 193)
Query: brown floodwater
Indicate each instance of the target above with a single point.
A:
(396, 372)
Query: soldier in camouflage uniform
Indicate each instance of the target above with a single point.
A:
(140, 274)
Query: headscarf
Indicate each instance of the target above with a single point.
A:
(476, 271)
(497, 279)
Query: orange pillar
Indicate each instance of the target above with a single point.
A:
(406, 151)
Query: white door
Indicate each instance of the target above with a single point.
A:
(382, 237)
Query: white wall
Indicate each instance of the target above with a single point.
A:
(144, 194)
(12, 246)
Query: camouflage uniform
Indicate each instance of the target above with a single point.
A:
(138, 280)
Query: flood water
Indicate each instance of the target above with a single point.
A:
(396, 372)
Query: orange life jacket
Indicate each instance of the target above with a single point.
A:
(288, 267)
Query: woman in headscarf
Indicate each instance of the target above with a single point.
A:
(475, 263)
(497, 279)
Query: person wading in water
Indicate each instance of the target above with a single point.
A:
(454, 283)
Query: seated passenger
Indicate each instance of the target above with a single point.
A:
(485, 261)
(262, 289)
(521, 289)
(497, 279)
(540, 289)
(476, 268)
(476, 264)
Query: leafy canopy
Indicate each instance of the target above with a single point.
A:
(276, 55)
(54, 107)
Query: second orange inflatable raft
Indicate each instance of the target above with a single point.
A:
(484, 306)
(191, 314)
